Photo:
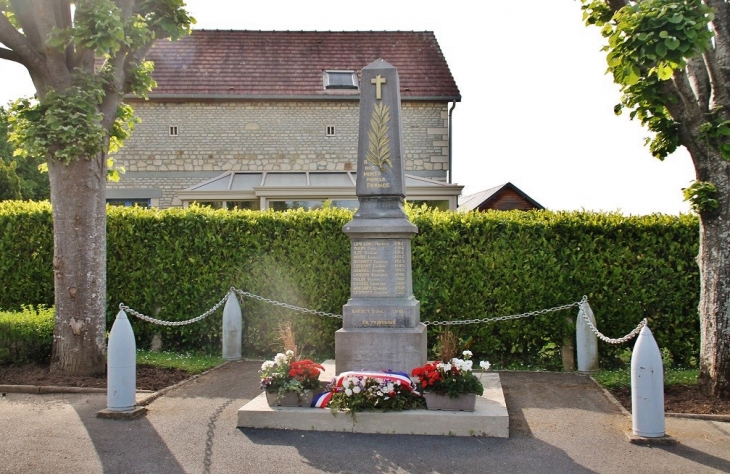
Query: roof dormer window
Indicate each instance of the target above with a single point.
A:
(340, 79)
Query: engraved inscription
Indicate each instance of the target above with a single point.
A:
(371, 260)
(379, 323)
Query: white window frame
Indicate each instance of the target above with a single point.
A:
(326, 79)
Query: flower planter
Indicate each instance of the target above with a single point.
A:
(291, 399)
(436, 401)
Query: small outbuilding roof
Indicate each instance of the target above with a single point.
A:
(290, 64)
(503, 197)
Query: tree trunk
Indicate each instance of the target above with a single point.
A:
(79, 265)
(714, 309)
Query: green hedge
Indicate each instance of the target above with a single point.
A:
(26, 336)
(177, 263)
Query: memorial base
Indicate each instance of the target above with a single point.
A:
(400, 349)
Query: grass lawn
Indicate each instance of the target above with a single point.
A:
(620, 378)
(191, 363)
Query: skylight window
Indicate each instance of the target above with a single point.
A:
(340, 79)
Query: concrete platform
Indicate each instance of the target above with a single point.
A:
(488, 419)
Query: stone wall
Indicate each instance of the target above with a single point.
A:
(216, 136)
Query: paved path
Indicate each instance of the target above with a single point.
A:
(560, 423)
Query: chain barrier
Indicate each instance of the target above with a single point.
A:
(619, 340)
(540, 312)
(507, 318)
(286, 305)
(149, 319)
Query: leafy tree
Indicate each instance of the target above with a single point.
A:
(672, 61)
(34, 185)
(9, 182)
(82, 61)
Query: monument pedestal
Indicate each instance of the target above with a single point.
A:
(400, 349)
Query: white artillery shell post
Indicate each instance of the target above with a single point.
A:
(647, 387)
(586, 341)
(232, 328)
(121, 372)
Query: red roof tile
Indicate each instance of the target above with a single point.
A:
(290, 63)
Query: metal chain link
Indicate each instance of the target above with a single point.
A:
(286, 305)
(506, 318)
(540, 312)
(149, 319)
(619, 340)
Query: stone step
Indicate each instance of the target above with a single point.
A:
(489, 418)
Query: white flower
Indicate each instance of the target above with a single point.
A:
(290, 353)
(267, 365)
(356, 389)
(466, 366)
(467, 354)
(348, 392)
(380, 394)
(280, 359)
(447, 367)
(484, 365)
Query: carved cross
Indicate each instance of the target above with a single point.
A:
(378, 81)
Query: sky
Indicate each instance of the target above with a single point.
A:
(536, 108)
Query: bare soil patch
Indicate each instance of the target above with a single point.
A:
(148, 377)
(681, 399)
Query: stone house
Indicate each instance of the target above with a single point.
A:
(269, 119)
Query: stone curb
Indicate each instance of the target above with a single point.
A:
(695, 416)
(611, 398)
(40, 389)
(154, 396)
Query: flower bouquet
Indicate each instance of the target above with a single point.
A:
(290, 382)
(441, 381)
(358, 391)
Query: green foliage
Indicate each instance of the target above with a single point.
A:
(9, 182)
(64, 125)
(26, 254)
(33, 185)
(176, 264)
(26, 336)
(702, 195)
(647, 42)
(189, 362)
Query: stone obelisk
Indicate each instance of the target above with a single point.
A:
(382, 326)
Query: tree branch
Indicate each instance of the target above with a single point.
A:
(10, 55)
(24, 14)
(62, 15)
(55, 60)
(720, 25)
(20, 45)
(700, 82)
(717, 86)
(686, 93)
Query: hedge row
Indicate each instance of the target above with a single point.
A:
(26, 336)
(177, 263)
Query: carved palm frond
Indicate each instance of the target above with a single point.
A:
(379, 143)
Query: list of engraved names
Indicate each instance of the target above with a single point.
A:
(371, 275)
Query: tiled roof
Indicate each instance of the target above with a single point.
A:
(290, 63)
